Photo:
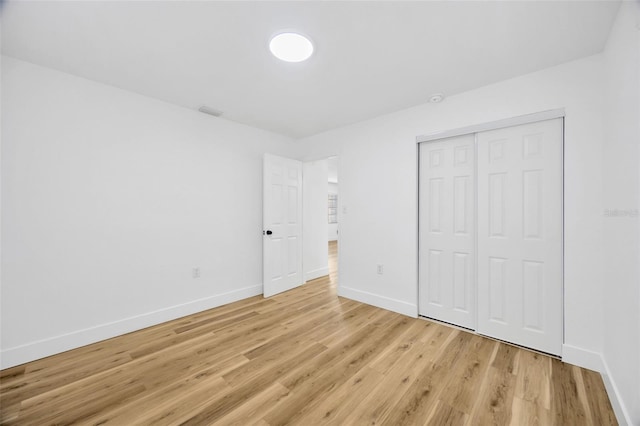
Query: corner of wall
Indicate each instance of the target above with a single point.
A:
(595, 361)
(619, 408)
(583, 358)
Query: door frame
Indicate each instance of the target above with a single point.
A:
(493, 125)
(482, 127)
(264, 224)
(320, 157)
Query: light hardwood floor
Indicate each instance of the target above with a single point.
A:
(304, 357)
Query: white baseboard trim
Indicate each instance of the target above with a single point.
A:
(583, 358)
(387, 303)
(595, 361)
(316, 273)
(622, 414)
(42, 348)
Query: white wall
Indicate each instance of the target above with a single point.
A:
(621, 162)
(378, 173)
(333, 227)
(314, 223)
(109, 199)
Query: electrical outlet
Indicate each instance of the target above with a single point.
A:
(195, 272)
(380, 269)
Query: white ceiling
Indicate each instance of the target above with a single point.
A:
(371, 57)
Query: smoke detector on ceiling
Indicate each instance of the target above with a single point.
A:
(210, 111)
(436, 97)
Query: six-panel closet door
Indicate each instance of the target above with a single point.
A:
(447, 234)
(520, 234)
(491, 233)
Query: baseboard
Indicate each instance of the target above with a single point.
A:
(583, 358)
(595, 361)
(317, 273)
(622, 414)
(54, 345)
(387, 303)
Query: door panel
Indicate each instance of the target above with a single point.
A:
(447, 231)
(520, 234)
(282, 216)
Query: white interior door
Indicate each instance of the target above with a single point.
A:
(520, 234)
(447, 234)
(282, 219)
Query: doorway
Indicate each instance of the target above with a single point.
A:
(333, 233)
(320, 216)
(300, 222)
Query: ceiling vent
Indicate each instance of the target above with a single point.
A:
(210, 111)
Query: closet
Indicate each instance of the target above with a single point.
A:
(490, 232)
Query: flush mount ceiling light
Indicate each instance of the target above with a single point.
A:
(291, 47)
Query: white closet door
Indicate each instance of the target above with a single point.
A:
(520, 235)
(447, 235)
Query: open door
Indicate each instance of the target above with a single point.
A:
(282, 220)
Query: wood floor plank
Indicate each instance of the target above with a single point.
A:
(240, 394)
(300, 328)
(344, 399)
(303, 357)
(598, 403)
(168, 405)
(12, 373)
(257, 407)
(430, 384)
(394, 350)
(397, 380)
(464, 380)
(565, 402)
(258, 365)
(69, 408)
(524, 412)
(45, 380)
(309, 387)
(496, 402)
(443, 414)
(532, 394)
(346, 348)
(533, 382)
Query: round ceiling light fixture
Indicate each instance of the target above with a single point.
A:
(291, 47)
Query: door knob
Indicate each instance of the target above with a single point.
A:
(269, 232)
